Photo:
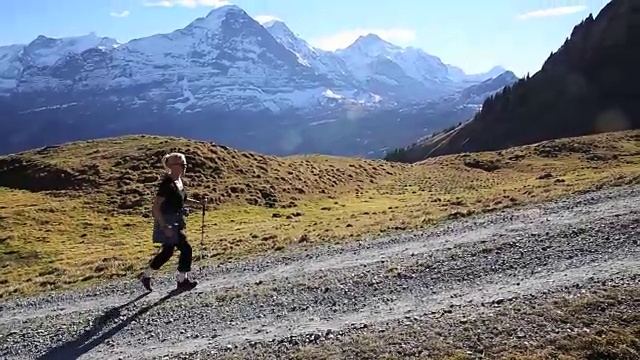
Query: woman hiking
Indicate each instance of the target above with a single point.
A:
(169, 224)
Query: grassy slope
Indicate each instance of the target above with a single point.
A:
(70, 236)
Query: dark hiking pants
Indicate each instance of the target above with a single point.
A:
(184, 261)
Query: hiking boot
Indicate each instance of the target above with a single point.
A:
(186, 285)
(146, 282)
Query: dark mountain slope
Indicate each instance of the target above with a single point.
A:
(590, 85)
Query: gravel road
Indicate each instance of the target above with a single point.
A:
(496, 258)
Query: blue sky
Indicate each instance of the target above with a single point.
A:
(472, 34)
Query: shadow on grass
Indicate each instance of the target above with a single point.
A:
(87, 341)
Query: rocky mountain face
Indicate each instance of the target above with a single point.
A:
(323, 62)
(399, 73)
(43, 52)
(590, 85)
(223, 78)
(374, 133)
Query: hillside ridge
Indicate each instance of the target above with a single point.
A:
(588, 86)
(126, 169)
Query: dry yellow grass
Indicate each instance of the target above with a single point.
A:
(77, 213)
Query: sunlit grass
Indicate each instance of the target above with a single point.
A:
(54, 240)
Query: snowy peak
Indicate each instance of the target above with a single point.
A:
(216, 17)
(364, 52)
(281, 32)
(422, 66)
(458, 74)
(372, 40)
(489, 87)
(45, 51)
(221, 38)
(373, 59)
(506, 75)
(305, 54)
(494, 72)
(75, 44)
(277, 26)
(323, 62)
(372, 46)
(224, 10)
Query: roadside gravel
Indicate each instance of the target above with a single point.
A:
(276, 304)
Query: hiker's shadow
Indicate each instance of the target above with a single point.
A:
(87, 341)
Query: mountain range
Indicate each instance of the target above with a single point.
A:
(229, 79)
(588, 86)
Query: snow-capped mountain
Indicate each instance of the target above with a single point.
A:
(226, 60)
(367, 51)
(324, 62)
(457, 74)
(346, 88)
(410, 72)
(225, 75)
(475, 95)
(43, 52)
(359, 59)
(10, 67)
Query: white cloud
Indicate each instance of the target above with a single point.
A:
(120, 14)
(187, 3)
(345, 38)
(263, 19)
(551, 12)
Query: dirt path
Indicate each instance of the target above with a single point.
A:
(489, 259)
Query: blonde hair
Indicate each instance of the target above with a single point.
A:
(173, 155)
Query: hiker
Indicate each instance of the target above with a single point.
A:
(168, 230)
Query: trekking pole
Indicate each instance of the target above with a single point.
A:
(204, 203)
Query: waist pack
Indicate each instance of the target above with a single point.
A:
(177, 222)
